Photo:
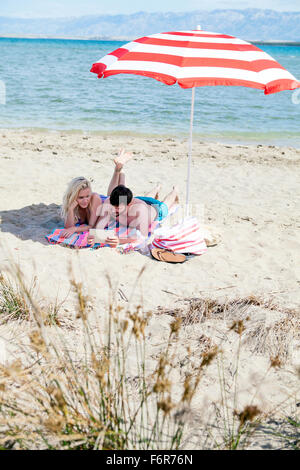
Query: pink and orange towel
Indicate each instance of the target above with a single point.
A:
(79, 240)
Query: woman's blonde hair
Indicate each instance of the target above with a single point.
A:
(71, 194)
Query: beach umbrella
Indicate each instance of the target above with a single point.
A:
(197, 58)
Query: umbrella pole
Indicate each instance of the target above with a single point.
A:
(190, 154)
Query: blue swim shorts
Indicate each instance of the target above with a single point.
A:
(161, 208)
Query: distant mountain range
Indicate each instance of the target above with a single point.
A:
(250, 24)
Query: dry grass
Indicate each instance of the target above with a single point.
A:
(265, 328)
(52, 397)
(272, 330)
(98, 390)
(15, 304)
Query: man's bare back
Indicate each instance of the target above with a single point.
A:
(138, 214)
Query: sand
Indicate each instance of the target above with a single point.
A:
(249, 194)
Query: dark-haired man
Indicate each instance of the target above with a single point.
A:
(132, 212)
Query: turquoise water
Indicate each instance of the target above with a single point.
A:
(49, 86)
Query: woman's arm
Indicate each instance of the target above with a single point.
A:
(70, 219)
(67, 232)
(70, 227)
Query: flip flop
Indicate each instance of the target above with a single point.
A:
(167, 256)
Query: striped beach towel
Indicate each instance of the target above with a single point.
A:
(184, 237)
(79, 240)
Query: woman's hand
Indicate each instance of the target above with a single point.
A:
(112, 241)
(68, 232)
(74, 204)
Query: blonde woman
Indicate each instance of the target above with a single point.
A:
(81, 206)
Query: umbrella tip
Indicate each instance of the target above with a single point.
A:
(198, 27)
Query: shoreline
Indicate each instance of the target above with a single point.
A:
(273, 42)
(250, 140)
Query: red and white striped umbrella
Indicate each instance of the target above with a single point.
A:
(197, 58)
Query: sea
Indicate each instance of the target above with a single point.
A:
(47, 84)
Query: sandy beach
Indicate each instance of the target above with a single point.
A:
(250, 197)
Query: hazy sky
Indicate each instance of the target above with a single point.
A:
(56, 8)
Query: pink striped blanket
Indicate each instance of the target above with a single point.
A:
(79, 240)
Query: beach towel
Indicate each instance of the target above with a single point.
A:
(79, 240)
(185, 237)
(142, 244)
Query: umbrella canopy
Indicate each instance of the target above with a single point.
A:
(197, 58)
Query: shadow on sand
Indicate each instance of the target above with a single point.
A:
(31, 222)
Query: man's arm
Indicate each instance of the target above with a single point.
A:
(104, 216)
(96, 206)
